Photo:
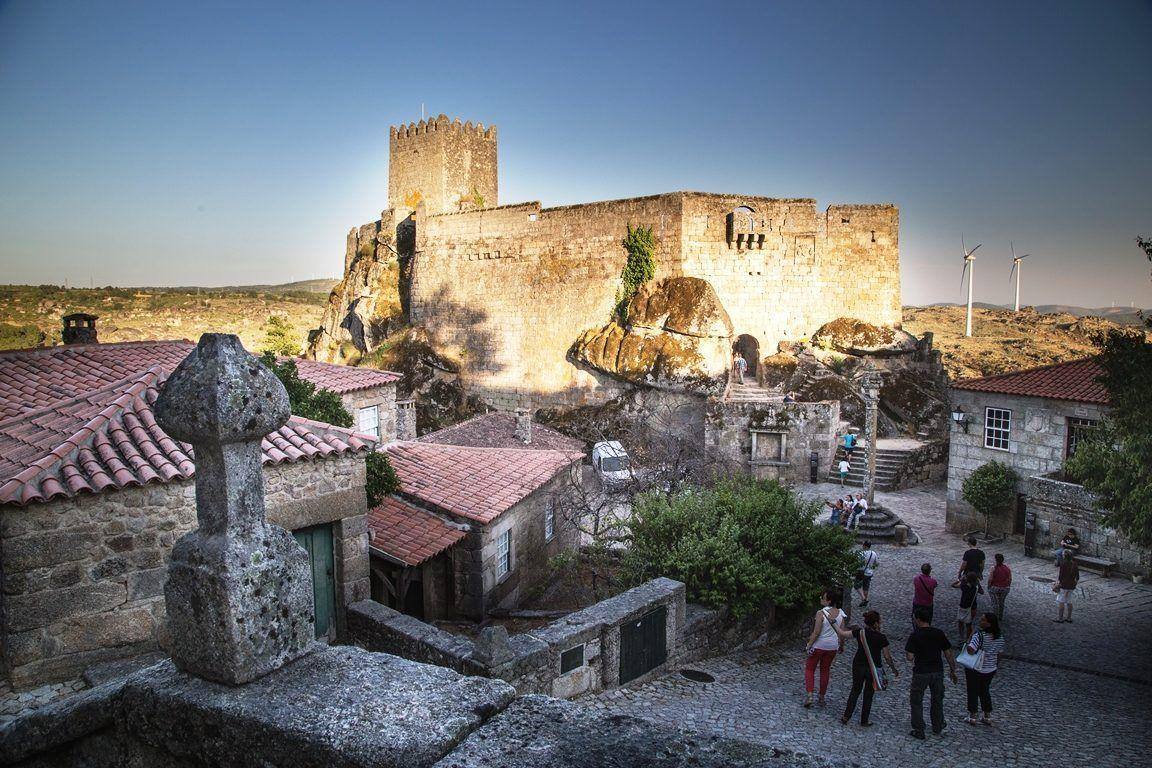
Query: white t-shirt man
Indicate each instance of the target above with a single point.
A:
(844, 467)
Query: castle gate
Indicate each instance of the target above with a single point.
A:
(748, 348)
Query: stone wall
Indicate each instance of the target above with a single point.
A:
(1038, 441)
(384, 398)
(803, 427)
(507, 290)
(83, 578)
(1060, 505)
(534, 663)
(926, 465)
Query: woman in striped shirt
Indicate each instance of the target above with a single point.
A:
(988, 639)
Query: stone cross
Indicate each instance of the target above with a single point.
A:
(870, 384)
(239, 589)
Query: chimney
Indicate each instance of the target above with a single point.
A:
(524, 425)
(79, 328)
(406, 419)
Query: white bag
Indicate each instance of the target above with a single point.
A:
(972, 661)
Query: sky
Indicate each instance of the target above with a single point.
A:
(207, 143)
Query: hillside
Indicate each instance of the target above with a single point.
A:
(31, 314)
(1003, 340)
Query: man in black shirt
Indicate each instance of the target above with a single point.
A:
(973, 560)
(924, 648)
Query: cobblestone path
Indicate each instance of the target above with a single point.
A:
(1074, 694)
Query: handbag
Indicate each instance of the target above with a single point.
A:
(973, 661)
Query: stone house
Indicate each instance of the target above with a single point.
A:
(93, 494)
(1030, 420)
(473, 526)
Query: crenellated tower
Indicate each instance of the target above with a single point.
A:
(447, 165)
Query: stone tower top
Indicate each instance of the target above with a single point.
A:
(447, 165)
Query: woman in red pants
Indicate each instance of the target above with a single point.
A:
(823, 644)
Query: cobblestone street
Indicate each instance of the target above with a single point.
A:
(1071, 694)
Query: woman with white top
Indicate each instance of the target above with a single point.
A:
(989, 640)
(823, 644)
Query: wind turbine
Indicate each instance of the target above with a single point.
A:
(970, 269)
(1018, 269)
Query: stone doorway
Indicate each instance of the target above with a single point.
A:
(748, 348)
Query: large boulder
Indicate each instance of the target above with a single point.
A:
(685, 305)
(856, 337)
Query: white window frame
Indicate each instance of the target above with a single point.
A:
(504, 554)
(997, 428)
(549, 521)
(374, 410)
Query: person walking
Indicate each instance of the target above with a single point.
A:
(924, 592)
(867, 667)
(823, 644)
(969, 587)
(988, 639)
(869, 561)
(740, 365)
(849, 444)
(999, 584)
(1067, 577)
(845, 467)
(924, 649)
(973, 560)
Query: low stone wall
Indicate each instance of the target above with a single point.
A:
(771, 439)
(532, 660)
(927, 464)
(1060, 505)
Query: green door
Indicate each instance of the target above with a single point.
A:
(317, 542)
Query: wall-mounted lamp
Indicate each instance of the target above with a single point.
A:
(960, 417)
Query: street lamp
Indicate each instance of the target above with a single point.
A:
(960, 417)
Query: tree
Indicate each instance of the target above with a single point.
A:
(744, 543)
(1115, 461)
(990, 489)
(1145, 244)
(381, 478)
(279, 338)
(306, 399)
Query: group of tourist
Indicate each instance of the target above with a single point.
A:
(846, 512)
(980, 638)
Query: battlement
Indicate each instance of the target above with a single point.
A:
(438, 124)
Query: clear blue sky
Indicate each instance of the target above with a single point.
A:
(151, 143)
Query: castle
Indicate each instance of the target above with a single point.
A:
(504, 291)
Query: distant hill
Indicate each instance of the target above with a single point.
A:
(30, 314)
(1003, 340)
(1119, 315)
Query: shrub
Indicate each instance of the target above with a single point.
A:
(279, 338)
(306, 399)
(382, 480)
(990, 489)
(640, 244)
(742, 543)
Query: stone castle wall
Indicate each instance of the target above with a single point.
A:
(508, 290)
(83, 578)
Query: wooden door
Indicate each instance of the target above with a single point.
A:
(317, 542)
(643, 645)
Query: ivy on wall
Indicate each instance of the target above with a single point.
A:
(640, 244)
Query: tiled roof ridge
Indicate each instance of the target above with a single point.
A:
(322, 426)
(56, 348)
(959, 383)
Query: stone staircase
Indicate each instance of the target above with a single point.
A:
(749, 393)
(888, 464)
(880, 525)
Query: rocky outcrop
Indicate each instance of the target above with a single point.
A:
(675, 335)
(856, 337)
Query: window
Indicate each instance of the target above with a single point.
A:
(368, 421)
(504, 553)
(997, 427)
(1078, 429)
(571, 659)
(549, 521)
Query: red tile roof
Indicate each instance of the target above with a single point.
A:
(34, 378)
(498, 430)
(408, 533)
(475, 483)
(108, 439)
(1075, 380)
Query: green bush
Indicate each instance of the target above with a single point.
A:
(640, 244)
(382, 480)
(991, 488)
(279, 338)
(743, 544)
(307, 400)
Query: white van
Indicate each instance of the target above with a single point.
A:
(612, 463)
